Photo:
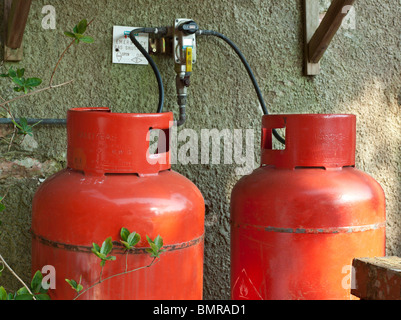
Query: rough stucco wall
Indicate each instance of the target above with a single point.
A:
(360, 75)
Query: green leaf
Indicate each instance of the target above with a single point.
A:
(110, 258)
(16, 124)
(126, 244)
(23, 122)
(33, 82)
(87, 39)
(69, 34)
(35, 124)
(4, 75)
(20, 72)
(106, 246)
(96, 246)
(18, 81)
(81, 27)
(152, 253)
(2, 206)
(18, 89)
(79, 288)
(3, 294)
(154, 247)
(36, 283)
(24, 297)
(78, 36)
(72, 283)
(133, 239)
(124, 233)
(23, 290)
(42, 296)
(28, 133)
(158, 242)
(23, 126)
(12, 73)
(98, 254)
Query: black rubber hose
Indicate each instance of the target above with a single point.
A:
(248, 69)
(151, 62)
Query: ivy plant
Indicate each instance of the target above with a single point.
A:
(78, 33)
(77, 287)
(129, 240)
(28, 86)
(103, 251)
(155, 246)
(23, 84)
(35, 292)
(23, 127)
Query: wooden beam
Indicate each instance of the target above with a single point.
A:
(327, 29)
(311, 23)
(377, 278)
(17, 18)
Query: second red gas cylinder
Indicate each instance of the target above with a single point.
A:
(113, 181)
(300, 219)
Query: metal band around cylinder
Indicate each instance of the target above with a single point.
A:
(117, 247)
(326, 230)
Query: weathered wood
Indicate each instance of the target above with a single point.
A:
(377, 278)
(330, 24)
(16, 22)
(9, 53)
(311, 22)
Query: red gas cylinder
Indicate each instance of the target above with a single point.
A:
(113, 181)
(300, 219)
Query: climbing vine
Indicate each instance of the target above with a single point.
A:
(27, 86)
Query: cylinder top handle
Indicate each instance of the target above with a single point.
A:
(312, 140)
(100, 141)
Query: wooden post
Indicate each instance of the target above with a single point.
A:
(328, 28)
(15, 17)
(311, 21)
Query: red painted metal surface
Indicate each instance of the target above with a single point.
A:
(300, 219)
(112, 181)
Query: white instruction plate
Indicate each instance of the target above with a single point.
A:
(124, 51)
